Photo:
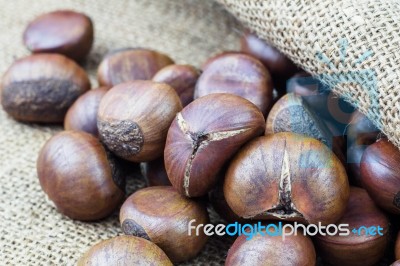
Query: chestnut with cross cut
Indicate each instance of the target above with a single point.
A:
(287, 176)
(204, 135)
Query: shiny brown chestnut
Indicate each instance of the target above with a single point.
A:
(134, 117)
(239, 74)
(124, 250)
(130, 64)
(41, 87)
(276, 62)
(204, 135)
(80, 176)
(364, 248)
(287, 176)
(272, 250)
(154, 172)
(182, 78)
(162, 215)
(380, 168)
(82, 115)
(63, 32)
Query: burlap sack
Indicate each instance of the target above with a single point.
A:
(32, 232)
(353, 45)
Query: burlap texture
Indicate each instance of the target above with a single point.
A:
(32, 232)
(353, 45)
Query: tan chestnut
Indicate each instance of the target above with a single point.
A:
(64, 32)
(134, 117)
(365, 248)
(182, 78)
(287, 176)
(41, 87)
(162, 215)
(82, 115)
(239, 74)
(272, 250)
(124, 250)
(380, 168)
(204, 135)
(130, 64)
(80, 176)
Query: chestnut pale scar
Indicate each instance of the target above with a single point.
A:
(200, 140)
(285, 208)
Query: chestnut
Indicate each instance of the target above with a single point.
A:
(361, 247)
(239, 74)
(361, 130)
(287, 176)
(41, 87)
(272, 250)
(80, 176)
(82, 115)
(292, 114)
(124, 250)
(154, 172)
(380, 168)
(182, 78)
(130, 64)
(134, 117)
(162, 215)
(64, 32)
(277, 63)
(204, 135)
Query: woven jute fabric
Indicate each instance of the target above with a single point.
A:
(32, 232)
(352, 45)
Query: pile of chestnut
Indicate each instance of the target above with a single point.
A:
(248, 133)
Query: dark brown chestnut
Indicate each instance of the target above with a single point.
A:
(182, 78)
(64, 32)
(82, 115)
(380, 168)
(79, 176)
(162, 215)
(134, 117)
(154, 172)
(287, 176)
(239, 74)
(204, 135)
(364, 247)
(41, 87)
(276, 62)
(130, 64)
(272, 250)
(124, 251)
